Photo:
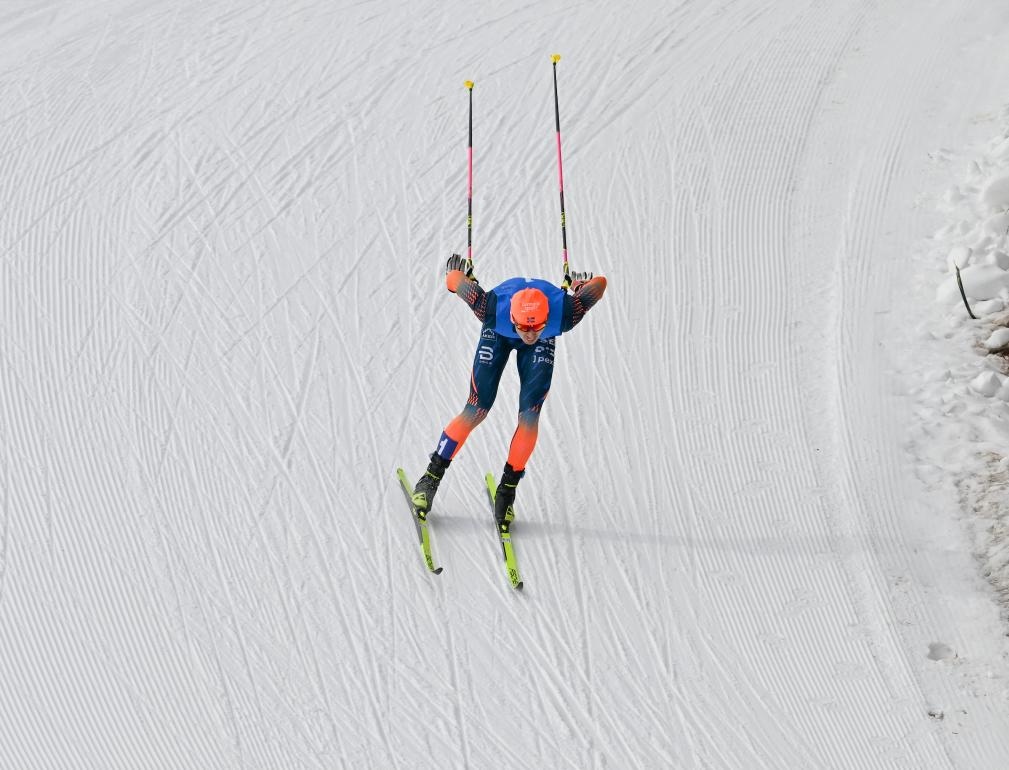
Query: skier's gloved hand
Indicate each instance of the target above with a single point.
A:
(579, 279)
(456, 268)
(455, 262)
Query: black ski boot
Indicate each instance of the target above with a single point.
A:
(423, 493)
(504, 499)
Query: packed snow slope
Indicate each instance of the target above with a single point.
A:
(223, 324)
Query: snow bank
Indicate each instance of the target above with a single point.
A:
(964, 432)
(998, 339)
(995, 194)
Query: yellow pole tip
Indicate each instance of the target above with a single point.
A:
(469, 84)
(555, 58)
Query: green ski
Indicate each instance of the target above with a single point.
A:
(505, 536)
(420, 521)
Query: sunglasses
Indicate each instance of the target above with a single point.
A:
(526, 329)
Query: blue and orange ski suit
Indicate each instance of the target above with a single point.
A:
(498, 339)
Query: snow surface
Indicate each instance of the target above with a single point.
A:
(765, 523)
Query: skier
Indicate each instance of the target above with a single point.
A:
(524, 315)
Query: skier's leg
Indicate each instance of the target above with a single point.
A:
(457, 431)
(536, 369)
(488, 364)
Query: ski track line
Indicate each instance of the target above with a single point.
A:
(158, 342)
(861, 221)
(439, 694)
(874, 587)
(583, 593)
(5, 508)
(708, 313)
(177, 593)
(459, 711)
(594, 709)
(674, 701)
(283, 461)
(553, 688)
(52, 331)
(748, 223)
(282, 464)
(298, 410)
(241, 653)
(512, 637)
(168, 542)
(496, 681)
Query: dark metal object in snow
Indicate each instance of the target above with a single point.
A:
(963, 294)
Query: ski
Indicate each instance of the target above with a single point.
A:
(505, 536)
(423, 534)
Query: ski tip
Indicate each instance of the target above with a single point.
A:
(555, 58)
(437, 571)
(518, 586)
(469, 84)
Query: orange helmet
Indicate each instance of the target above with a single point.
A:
(530, 309)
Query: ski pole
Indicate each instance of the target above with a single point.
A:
(560, 174)
(469, 186)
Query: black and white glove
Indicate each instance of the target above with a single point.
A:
(578, 279)
(455, 262)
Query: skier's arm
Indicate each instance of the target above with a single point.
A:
(466, 287)
(585, 294)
